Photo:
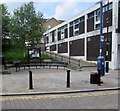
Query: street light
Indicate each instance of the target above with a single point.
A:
(107, 45)
(107, 41)
(101, 59)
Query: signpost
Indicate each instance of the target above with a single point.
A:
(100, 59)
(34, 53)
(107, 43)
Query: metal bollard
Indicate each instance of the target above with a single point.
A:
(30, 80)
(68, 78)
(99, 75)
(107, 66)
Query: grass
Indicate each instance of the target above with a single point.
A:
(44, 56)
(16, 53)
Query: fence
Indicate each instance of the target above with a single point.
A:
(71, 61)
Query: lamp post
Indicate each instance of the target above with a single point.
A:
(101, 11)
(101, 59)
(107, 41)
(107, 52)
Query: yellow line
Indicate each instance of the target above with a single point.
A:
(60, 96)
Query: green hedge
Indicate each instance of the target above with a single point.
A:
(16, 52)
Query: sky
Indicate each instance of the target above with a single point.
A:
(59, 9)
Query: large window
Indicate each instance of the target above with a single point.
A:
(90, 15)
(90, 22)
(97, 19)
(62, 32)
(50, 37)
(107, 7)
(53, 36)
(97, 26)
(71, 29)
(75, 26)
(97, 14)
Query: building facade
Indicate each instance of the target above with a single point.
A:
(50, 23)
(79, 37)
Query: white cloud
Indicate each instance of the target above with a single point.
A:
(46, 16)
(66, 9)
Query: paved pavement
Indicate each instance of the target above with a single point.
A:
(88, 100)
(47, 80)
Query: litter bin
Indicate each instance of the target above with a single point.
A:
(94, 77)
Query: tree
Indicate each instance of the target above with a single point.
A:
(26, 24)
(5, 20)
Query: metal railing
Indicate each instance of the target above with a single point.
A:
(71, 61)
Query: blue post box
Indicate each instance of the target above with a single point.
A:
(101, 65)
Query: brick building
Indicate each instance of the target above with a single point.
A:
(79, 36)
(50, 23)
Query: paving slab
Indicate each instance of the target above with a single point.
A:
(54, 80)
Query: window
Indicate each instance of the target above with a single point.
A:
(82, 19)
(65, 26)
(90, 15)
(119, 4)
(76, 26)
(76, 21)
(110, 6)
(104, 8)
(97, 18)
(107, 7)
(49, 26)
(76, 32)
(71, 29)
(97, 14)
(89, 39)
(71, 24)
(61, 31)
(54, 32)
(97, 26)
(50, 37)
(76, 29)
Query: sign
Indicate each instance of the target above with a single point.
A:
(102, 38)
(34, 53)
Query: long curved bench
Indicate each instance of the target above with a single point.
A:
(41, 64)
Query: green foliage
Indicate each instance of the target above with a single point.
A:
(5, 20)
(26, 24)
(44, 56)
(14, 52)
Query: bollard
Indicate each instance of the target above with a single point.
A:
(107, 66)
(99, 76)
(68, 78)
(30, 80)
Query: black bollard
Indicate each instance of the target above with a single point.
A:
(107, 66)
(30, 80)
(68, 78)
(99, 75)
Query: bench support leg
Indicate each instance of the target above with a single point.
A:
(16, 69)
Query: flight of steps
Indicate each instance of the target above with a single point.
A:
(76, 64)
